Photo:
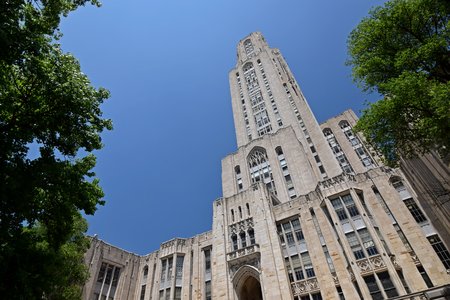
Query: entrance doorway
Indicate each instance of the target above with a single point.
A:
(251, 289)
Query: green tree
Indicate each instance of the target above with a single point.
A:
(50, 121)
(401, 50)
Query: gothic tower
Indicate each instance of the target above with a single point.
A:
(308, 212)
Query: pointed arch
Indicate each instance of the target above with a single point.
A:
(246, 282)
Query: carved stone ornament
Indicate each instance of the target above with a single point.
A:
(363, 265)
(377, 262)
(304, 286)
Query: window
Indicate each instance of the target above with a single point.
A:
(287, 177)
(403, 237)
(355, 142)
(440, 250)
(142, 292)
(387, 284)
(240, 212)
(425, 276)
(248, 209)
(355, 245)
(383, 284)
(237, 171)
(163, 270)
(232, 215)
(316, 296)
(169, 268)
(415, 211)
(177, 293)
(145, 271)
(367, 242)
(340, 293)
(243, 239)
(350, 205)
(168, 294)
(251, 235)
(234, 242)
(339, 209)
(208, 290)
(248, 46)
(179, 267)
(373, 287)
(297, 230)
(207, 253)
(308, 265)
(260, 169)
(107, 280)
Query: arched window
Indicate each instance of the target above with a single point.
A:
(248, 46)
(278, 150)
(344, 125)
(243, 239)
(248, 209)
(251, 235)
(260, 170)
(145, 272)
(232, 215)
(247, 67)
(327, 132)
(240, 212)
(234, 242)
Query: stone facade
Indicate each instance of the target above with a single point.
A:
(308, 212)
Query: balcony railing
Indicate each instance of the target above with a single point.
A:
(244, 252)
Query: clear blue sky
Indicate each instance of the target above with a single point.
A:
(166, 65)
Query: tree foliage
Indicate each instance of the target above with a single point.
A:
(402, 51)
(50, 119)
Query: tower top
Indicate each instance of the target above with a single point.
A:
(251, 46)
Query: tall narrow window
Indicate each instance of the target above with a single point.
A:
(251, 235)
(387, 284)
(237, 171)
(243, 239)
(232, 215)
(425, 276)
(179, 267)
(355, 245)
(287, 177)
(177, 293)
(248, 209)
(367, 242)
(309, 270)
(248, 46)
(169, 268)
(376, 290)
(373, 287)
(208, 290)
(363, 155)
(207, 260)
(440, 250)
(143, 292)
(234, 242)
(337, 151)
(107, 279)
(415, 211)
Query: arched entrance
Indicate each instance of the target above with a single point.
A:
(250, 290)
(246, 283)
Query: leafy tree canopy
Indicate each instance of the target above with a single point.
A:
(50, 120)
(402, 51)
